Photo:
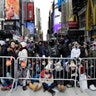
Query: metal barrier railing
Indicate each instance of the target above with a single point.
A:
(7, 70)
(87, 68)
(60, 68)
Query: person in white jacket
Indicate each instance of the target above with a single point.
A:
(23, 55)
(75, 52)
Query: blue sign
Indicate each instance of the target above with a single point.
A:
(31, 26)
(60, 2)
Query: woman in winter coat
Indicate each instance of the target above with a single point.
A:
(23, 55)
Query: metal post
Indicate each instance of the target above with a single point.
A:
(22, 18)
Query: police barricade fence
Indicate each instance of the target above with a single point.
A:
(7, 69)
(37, 69)
(87, 73)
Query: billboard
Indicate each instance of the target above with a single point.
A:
(30, 26)
(30, 11)
(57, 27)
(12, 9)
(57, 19)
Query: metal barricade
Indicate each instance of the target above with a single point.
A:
(61, 69)
(7, 70)
(87, 71)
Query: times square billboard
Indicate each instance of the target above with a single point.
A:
(28, 8)
(30, 26)
(30, 11)
(12, 9)
(56, 18)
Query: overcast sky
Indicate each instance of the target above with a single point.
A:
(44, 6)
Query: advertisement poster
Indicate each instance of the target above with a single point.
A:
(31, 11)
(31, 26)
(57, 19)
(12, 9)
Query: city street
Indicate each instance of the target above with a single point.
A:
(67, 92)
(48, 42)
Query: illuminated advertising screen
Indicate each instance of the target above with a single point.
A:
(31, 11)
(12, 10)
(57, 20)
(57, 27)
(30, 26)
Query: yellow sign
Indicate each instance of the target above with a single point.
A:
(90, 15)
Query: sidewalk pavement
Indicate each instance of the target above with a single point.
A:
(29, 92)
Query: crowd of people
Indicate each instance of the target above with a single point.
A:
(45, 69)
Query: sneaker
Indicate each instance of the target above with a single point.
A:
(92, 87)
(10, 86)
(5, 88)
(69, 86)
(24, 88)
(53, 93)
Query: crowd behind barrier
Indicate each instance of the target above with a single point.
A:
(48, 70)
(49, 64)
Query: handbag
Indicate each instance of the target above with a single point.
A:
(83, 82)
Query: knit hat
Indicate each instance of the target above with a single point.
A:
(23, 44)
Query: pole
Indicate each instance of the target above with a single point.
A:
(22, 18)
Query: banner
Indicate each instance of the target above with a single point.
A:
(12, 9)
(31, 11)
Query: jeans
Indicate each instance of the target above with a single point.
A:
(46, 86)
(35, 76)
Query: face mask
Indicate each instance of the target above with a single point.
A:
(43, 63)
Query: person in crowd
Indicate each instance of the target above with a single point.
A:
(46, 77)
(59, 73)
(90, 71)
(36, 69)
(72, 73)
(43, 63)
(53, 51)
(23, 54)
(46, 49)
(83, 50)
(7, 83)
(75, 52)
(34, 84)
